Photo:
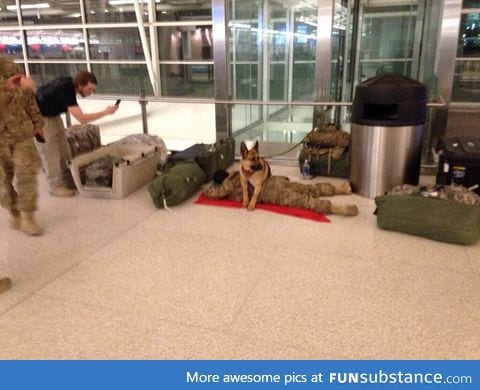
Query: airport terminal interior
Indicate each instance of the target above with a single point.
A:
(121, 279)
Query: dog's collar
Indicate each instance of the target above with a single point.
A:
(246, 173)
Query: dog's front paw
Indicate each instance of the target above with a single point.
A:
(251, 207)
(245, 203)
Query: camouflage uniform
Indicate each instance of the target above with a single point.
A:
(456, 193)
(19, 117)
(281, 191)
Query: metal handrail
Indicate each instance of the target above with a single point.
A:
(435, 104)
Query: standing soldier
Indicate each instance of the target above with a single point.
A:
(20, 120)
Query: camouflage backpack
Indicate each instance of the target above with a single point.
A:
(326, 147)
(327, 139)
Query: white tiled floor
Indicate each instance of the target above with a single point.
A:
(122, 280)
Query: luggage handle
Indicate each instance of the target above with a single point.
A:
(132, 159)
(211, 148)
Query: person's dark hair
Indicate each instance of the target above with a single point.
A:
(83, 78)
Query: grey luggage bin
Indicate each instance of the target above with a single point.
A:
(138, 168)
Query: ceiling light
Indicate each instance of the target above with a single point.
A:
(28, 6)
(123, 2)
(120, 2)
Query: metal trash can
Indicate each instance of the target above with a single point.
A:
(388, 124)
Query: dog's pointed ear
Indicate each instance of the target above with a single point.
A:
(243, 150)
(256, 145)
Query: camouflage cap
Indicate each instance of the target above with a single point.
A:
(7, 69)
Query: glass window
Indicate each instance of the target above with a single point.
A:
(246, 81)
(51, 12)
(469, 42)
(11, 44)
(302, 86)
(305, 40)
(8, 13)
(278, 81)
(387, 41)
(471, 3)
(187, 80)
(126, 79)
(174, 10)
(56, 44)
(115, 43)
(183, 43)
(387, 37)
(243, 10)
(43, 73)
(466, 81)
(113, 11)
(244, 42)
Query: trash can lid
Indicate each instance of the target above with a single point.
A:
(391, 89)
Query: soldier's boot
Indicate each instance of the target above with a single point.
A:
(349, 210)
(14, 221)
(343, 188)
(28, 224)
(5, 284)
(62, 192)
(319, 205)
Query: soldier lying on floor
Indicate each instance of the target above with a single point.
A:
(280, 190)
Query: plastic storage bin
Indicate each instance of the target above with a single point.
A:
(137, 168)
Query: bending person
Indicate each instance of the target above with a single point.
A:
(57, 97)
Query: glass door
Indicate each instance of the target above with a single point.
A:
(272, 47)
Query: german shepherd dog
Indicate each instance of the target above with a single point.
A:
(254, 170)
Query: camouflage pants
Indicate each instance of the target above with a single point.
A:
(54, 151)
(279, 190)
(19, 162)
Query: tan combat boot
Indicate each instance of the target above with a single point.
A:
(14, 221)
(28, 224)
(62, 192)
(349, 210)
(5, 284)
(343, 188)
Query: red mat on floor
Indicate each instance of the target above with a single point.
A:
(293, 211)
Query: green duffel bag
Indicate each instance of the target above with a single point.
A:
(325, 164)
(176, 184)
(437, 219)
